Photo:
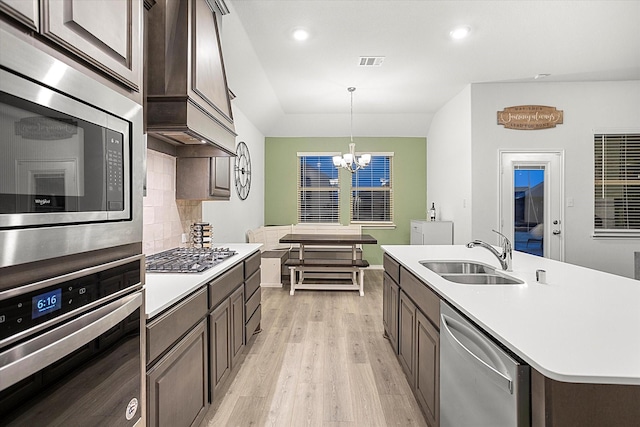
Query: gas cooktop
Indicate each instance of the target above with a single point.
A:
(187, 260)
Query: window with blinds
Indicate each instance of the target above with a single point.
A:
(318, 189)
(617, 184)
(372, 191)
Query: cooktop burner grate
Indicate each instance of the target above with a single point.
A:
(187, 260)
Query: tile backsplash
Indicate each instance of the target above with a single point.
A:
(165, 219)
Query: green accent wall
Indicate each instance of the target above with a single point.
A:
(409, 183)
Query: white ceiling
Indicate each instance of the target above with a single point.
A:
(510, 41)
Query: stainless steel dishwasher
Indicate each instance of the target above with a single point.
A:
(480, 384)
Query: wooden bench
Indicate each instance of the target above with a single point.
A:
(273, 270)
(299, 267)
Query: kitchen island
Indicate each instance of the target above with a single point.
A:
(579, 332)
(198, 325)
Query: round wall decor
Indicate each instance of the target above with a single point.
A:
(242, 170)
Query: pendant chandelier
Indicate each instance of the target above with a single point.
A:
(349, 161)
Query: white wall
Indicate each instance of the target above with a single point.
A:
(587, 106)
(364, 125)
(449, 165)
(231, 219)
(245, 76)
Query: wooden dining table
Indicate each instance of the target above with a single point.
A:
(301, 265)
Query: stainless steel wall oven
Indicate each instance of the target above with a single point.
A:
(71, 349)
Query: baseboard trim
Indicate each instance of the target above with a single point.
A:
(270, 285)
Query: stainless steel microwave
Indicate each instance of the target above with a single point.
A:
(71, 159)
(63, 162)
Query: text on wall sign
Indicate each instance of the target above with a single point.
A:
(530, 117)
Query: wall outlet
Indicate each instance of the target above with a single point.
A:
(185, 237)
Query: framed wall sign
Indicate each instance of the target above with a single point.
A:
(530, 117)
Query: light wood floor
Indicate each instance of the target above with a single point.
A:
(320, 360)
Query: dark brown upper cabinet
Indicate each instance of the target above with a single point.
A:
(23, 11)
(105, 34)
(203, 178)
(187, 94)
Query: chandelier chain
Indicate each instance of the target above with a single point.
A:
(349, 161)
(351, 89)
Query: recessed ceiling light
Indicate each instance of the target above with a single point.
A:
(460, 32)
(300, 34)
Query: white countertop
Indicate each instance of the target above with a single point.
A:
(582, 326)
(165, 289)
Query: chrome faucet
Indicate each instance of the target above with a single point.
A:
(505, 258)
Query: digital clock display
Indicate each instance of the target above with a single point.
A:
(46, 303)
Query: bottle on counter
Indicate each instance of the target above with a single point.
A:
(432, 212)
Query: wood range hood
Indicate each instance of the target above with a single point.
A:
(188, 102)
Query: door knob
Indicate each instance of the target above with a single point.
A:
(556, 232)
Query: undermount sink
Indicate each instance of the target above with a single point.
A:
(482, 279)
(458, 267)
(470, 273)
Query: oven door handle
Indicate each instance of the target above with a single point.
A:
(41, 351)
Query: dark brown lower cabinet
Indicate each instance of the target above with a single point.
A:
(390, 295)
(219, 340)
(177, 385)
(419, 356)
(427, 385)
(252, 296)
(406, 337)
(226, 329)
(236, 324)
(558, 403)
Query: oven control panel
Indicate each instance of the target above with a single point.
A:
(22, 312)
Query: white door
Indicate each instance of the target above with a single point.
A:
(531, 209)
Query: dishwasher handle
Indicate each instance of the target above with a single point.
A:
(498, 377)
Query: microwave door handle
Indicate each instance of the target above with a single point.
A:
(31, 356)
(498, 377)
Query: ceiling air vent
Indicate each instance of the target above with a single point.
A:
(370, 61)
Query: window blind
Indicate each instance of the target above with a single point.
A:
(372, 192)
(617, 184)
(318, 189)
